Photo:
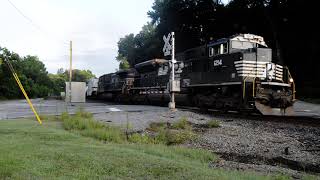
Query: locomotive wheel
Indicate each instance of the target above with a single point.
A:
(197, 102)
(146, 100)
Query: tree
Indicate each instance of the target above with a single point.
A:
(126, 48)
(124, 64)
(138, 48)
(31, 72)
(58, 83)
(77, 75)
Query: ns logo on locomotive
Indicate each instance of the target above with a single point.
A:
(234, 73)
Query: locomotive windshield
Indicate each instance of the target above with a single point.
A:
(242, 45)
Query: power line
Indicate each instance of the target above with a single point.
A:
(38, 27)
(31, 21)
(23, 15)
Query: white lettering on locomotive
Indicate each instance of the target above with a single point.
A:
(217, 62)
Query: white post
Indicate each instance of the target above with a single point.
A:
(172, 104)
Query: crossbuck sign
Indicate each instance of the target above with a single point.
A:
(167, 46)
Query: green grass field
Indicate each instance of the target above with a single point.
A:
(31, 151)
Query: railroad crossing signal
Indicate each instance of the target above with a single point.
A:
(168, 49)
(167, 46)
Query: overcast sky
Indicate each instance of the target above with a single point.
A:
(94, 26)
(45, 27)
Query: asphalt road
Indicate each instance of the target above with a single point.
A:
(138, 116)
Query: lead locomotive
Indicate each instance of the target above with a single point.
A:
(235, 73)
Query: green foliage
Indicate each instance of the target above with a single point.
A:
(84, 123)
(34, 77)
(141, 139)
(58, 83)
(156, 126)
(182, 124)
(137, 48)
(31, 72)
(31, 151)
(77, 75)
(124, 64)
(213, 124)
(179, 136)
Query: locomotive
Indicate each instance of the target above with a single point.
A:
(234, 73)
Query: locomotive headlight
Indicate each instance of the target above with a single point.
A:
(291, 80)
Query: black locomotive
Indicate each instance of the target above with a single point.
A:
(235, 73)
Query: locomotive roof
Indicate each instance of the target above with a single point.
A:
(126, 71)
(241, 37)
(152, 62)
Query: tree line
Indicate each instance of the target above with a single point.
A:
(34, 77)
(288, 27)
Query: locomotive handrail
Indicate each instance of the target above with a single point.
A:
(293, 84)
(244, 85)
(253, 87)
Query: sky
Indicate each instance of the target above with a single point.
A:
(46, 27)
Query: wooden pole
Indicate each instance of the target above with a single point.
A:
(70, 72)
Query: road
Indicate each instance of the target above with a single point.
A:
(138, 116)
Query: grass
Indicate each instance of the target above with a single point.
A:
(213, 124)
(31, 151)
(182, 124)
(84, 123)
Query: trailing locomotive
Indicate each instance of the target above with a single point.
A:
(235, 73)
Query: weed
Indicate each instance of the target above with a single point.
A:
(155, 126)
(182, 124)
(141, 139)
(213, 124)
(179, 136)
(87, 126)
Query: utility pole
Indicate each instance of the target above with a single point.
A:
(70, 72)
(172, 104)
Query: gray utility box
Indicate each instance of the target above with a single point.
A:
(175, 86)
(78, 92)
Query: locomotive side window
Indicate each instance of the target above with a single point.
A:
(214, 50)
(225, 48)
(218, 49)
(211, 51)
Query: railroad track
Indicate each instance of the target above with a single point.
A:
(301, 120)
